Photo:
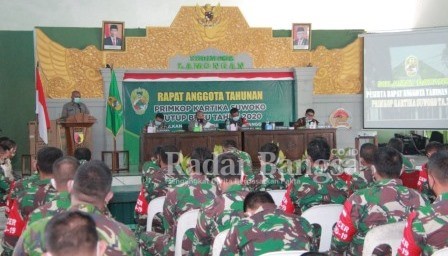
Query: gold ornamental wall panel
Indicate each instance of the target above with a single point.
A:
(194, 29)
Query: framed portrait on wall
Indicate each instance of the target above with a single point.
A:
(301, 36)
(113, 35)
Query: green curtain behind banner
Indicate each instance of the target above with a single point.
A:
(258, 101)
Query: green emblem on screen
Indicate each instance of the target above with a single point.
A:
(140, 100)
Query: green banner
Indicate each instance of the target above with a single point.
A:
(258, 101)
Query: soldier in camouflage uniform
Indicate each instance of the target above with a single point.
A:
(40, 193)
(73, 233)
(63, 171)
(385, 201)
(422, 185)
(364, 177)
(427, 227)
(149, 168)
(220, 213)
(321, 185)
(272, 177)
(192, 194)
(4, 181)
(267, 229)
(90, 193)
(245, 160)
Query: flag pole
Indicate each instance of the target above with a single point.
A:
(115, 161)
(36, 116)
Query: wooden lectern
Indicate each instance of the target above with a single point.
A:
(78, 132)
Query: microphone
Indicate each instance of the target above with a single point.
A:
(79, 107)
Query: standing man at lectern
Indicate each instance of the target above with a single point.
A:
(74, 107)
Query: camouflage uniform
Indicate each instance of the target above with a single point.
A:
(38, 194)
(60, 203)
(426, 229)
(157, 182)
(119, 238)
(20, 186)
(423, 185)
(317, 187)
(4, 187)
(361, 179)
(268, 230)
(193, 194)
(141, 207)
(273, 178)
(218, 216)
(385, 201)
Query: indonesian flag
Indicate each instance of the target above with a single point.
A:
(41, 109)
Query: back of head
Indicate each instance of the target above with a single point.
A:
(64, 169)
(82, 154)
(227, 167)
(71, 233)
(202, 160)
(169, 154)
(92, 182)
(46, 158)
(254, 200)
(229, 144)
(318, 149)
(269, 152)
(388, 162)
(434, 146)
(396, 143)
(367, 151)
(438, 166)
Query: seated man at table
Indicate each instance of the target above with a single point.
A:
(306, 120)
(267, 229)
(236, 120)
(385, 201)
(159, 122)
(199, 120)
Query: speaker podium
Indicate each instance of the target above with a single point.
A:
(78, 132)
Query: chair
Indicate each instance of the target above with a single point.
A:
(219, 242)
(186, 221)
(390, 234)
(285, 253)
(154, 207)
(277, 195)
(441, 252)
(326, 215)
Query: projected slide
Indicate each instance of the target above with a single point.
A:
(406, 80)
